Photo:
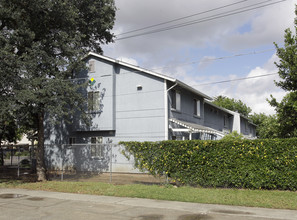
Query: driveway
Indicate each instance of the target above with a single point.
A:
(27, 204)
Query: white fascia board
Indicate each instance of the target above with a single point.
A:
(137, 68)
(183, 85)
(221, 108)
(180, 130)
(231, 112)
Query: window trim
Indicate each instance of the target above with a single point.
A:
(197, 108)
(98, 146)
(93, 101)
(176, 100)
(225, 121)
(91, 66)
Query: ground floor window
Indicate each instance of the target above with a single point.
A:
(96, 147)
(72, 140)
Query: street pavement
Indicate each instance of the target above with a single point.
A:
(28, 204)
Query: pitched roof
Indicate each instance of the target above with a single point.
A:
(149, 72)
(230, 112)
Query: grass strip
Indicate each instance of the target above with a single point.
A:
(239, 197)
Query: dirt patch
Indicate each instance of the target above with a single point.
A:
(114, 178)
(26, 175)
(13, 173)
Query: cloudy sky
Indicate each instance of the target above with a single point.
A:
(205, 42)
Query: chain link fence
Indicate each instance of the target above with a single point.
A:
(94, 162)
(17, 161)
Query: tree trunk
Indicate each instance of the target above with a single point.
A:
(2, 155)
(40, 166)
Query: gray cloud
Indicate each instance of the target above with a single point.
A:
(176, 46)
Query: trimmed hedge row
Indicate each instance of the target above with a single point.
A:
(252, 164)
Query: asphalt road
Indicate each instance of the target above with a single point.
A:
(26, 204)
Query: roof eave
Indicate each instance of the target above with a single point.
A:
(137, 68)
(131, 66)
(180, 83)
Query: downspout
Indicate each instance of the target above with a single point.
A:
(167, 108)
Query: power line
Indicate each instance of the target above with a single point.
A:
(203, 84)
(232, 80)
(212, 17)
(209, 18)
(214, 59)
(181, 18)
(199, 61)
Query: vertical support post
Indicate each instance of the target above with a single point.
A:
(167, 179)
(62, 163)
(110, 166)
(11, 155)
(18, 162)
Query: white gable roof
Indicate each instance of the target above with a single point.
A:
(137, 68)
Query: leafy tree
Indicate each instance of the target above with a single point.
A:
(233, 105)
(286, 114)
(43, 43)
(287, 69)
(8, 131)
(267, 125)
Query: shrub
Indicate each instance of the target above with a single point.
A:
(253, 164)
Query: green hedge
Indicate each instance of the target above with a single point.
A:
(253, 164)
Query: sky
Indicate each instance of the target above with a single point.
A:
(205, 42)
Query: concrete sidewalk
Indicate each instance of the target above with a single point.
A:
(27, 204)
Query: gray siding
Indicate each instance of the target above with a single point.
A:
(140, 114)
(247, 128)
(103, 75)
(215, 118)
(186, 112)
(126, 113)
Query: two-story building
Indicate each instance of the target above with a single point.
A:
(129, 103)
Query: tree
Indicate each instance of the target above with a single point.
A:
(233, 105)
(8, 131)
(43, 43)
(267, 125)
(287, 69)
(286, 114)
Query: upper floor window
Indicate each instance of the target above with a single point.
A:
(93, 101)
(225, 120)
(197, 107)
(91, 66)
(176, 100)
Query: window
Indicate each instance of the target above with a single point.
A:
(197, 108)
(72, 140)
(225, 120)
(96, 147)
(176, 100)
(92, 66)
(93, 101)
